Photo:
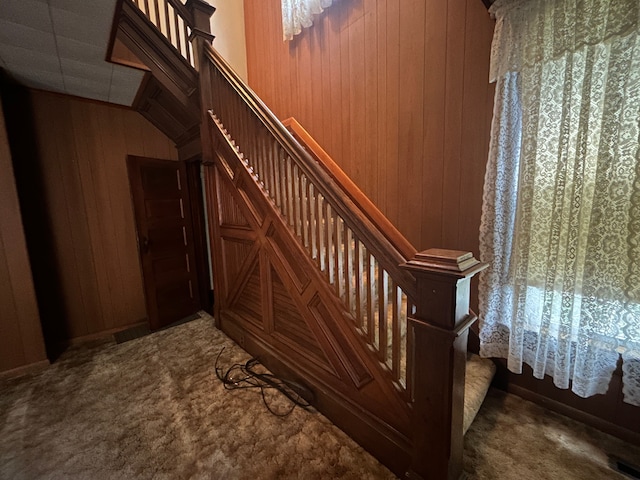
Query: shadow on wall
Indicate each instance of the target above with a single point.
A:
(21, 131)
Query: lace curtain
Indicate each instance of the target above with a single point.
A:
(561, 208)
(298, 14)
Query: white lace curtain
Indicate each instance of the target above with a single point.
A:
(298, 14)
(561, 210)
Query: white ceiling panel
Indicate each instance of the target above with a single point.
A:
(88, 29)
(76, 50)
(40, 79)
(24, 58)
(83, 87)
(33, 13)
(14, 34)
(60, 45)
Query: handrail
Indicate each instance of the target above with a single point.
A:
(344, 181)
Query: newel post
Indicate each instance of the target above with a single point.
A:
(201, 13)
(438, 349)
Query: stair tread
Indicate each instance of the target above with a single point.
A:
(480, 372)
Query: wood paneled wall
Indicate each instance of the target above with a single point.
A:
(397, 93)
(21, 340)
(80, 170)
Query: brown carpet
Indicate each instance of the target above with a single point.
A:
(152, 408)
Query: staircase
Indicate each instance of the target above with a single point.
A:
(308, 274)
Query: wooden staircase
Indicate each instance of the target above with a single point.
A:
(308, 274)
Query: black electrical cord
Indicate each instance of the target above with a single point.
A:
(239, 376)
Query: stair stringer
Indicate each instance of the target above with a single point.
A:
(352, 387)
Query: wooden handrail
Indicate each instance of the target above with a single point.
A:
(350, 188)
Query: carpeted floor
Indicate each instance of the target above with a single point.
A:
(152, 408)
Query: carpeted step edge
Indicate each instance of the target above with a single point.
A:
(480, 372)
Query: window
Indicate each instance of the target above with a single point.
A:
(561, 211)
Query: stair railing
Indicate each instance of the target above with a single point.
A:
(174, 20)
(412, 307)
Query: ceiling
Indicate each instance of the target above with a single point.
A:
(61, 45)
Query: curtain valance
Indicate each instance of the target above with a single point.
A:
(557, 27)
(298, 14)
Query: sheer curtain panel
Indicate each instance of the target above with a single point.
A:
(561, 209)
(298, 14)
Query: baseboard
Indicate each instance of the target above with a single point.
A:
(30, 369)
(574, 413)
(102, 335)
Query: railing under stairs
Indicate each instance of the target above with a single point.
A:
(309, 274)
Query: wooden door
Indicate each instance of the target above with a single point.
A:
(160, 195)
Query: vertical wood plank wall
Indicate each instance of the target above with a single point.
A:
(397, 93)
(21, 340)
(83, 146)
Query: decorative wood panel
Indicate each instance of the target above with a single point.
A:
(230, 213)
(21, 342)
(397, 93)
(81, 164)
(248, 303)
(288, 322)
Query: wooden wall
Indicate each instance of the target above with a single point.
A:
(397, 93)
(21, 340)
(81, 222)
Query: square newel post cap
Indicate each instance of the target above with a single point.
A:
(452, 263)
(201, 12)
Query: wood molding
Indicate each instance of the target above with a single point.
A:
(30, 369)
(576, 414)
(158, 105)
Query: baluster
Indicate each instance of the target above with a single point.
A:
(290, 201)
(189, 49)
(404, 343)
(370, 287)
(156, 10)
(269, 163)
(383, 321)
(295, 199)
(337, 230)
(166, 22)
(273, 155)
(276, 172)
(184, 38)
(304, 191)
(396, 337)
(266, 161)
(300, 202)
(313, 226)
(171, 16)
(283, 182)
(348, 261)
(321, 234)
(330, 244)
(176, 31)
(358, 280)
